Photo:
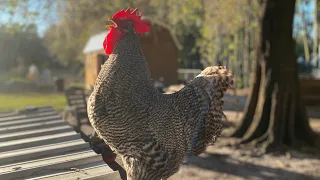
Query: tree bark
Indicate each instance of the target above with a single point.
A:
(240, 58)
(246, 51)
(275, 114)
(315, 30)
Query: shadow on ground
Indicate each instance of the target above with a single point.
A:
(237, 103)
(234, 103)
(225, 164)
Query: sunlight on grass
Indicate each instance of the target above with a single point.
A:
(19, 101)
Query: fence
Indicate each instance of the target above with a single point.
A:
(188, 74)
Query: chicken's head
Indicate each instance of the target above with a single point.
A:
(121, 21)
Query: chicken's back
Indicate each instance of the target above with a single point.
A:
(187, 121)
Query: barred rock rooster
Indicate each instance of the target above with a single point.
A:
(152, 132)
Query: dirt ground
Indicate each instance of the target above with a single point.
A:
(220, 162)
(223, 163)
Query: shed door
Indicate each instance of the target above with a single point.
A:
(101, 58)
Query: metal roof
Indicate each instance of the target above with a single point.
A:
(95, 42)
(39, 144)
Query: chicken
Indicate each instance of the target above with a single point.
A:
(152, 132)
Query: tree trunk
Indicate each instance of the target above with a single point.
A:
(318, 55)
(234, 63)
(246, 51)
(275, 114)
(315, 30)
(240, 58)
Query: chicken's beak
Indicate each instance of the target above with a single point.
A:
(112, 20)
(112, 25)
(109, 26)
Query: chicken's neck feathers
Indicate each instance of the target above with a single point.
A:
(126, 67)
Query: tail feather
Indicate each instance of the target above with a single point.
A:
(220, 79)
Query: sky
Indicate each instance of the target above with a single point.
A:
(43, 23)
(308, 9)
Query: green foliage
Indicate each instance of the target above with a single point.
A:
(25, 11)
(200, 25)
(77, 21)
(20, 45)
(206, 29)
(299, 49)
(222, 22)
(18, 79)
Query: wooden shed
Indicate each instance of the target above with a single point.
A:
(159, 46)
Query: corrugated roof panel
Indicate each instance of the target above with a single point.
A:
(92, 171)
(23, 113)
(39, 144)
(28, 120)
(31, 126)
(34, 133)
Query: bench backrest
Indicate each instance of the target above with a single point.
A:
(310, 90)
(76, 97)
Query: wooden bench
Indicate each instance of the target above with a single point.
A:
(310, 90)
(77, 106)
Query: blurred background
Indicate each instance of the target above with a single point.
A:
(49, 46)
(49, 43)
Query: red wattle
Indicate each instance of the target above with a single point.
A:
(113, 37)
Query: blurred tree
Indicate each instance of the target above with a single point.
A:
(78, 20)
(299, 49)
(207, 30)
(227, 35)
(195, 22)
(315, 30)
(21, 44)
(222, 19)
(304, 27)
(275, 114)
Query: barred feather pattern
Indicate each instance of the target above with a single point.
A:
(153, 132)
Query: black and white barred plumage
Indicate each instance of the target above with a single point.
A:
(153, 132)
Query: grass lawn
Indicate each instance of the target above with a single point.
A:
(13, 101)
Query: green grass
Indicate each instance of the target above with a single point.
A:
(18, 101)
(18, 79)
(77, 84)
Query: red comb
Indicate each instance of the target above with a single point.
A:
(139, 25)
